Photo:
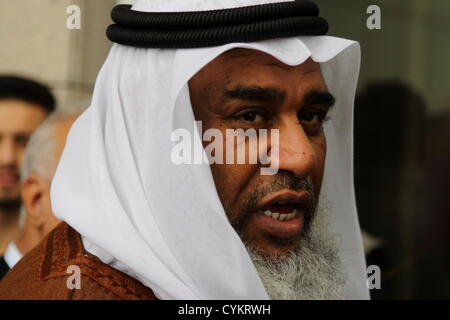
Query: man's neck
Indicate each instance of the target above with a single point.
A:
(27, 238)
(9, 228)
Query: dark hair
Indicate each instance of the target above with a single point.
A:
(12, 87)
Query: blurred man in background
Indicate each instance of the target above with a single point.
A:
(39, 165)
(390, 133)
(24, 104)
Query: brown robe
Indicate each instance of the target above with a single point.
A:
(42, 273)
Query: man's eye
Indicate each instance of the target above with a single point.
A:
(22, 140)
(251, 116)
(313, 118)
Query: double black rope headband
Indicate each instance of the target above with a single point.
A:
(215, 27)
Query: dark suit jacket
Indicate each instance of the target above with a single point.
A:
(4, 268)
(43, 273)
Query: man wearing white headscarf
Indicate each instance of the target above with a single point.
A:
(138, 225)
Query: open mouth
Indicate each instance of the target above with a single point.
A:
(280, 211)
(283, 214)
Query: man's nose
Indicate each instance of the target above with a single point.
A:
(7, 153)
(296, 152)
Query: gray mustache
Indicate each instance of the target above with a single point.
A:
(280, 181)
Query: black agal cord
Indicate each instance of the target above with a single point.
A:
(215, 27)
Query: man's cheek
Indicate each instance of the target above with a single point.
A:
(19, 158)
(232, 182)
(317, 176)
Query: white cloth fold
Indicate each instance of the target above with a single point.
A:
(12, 255)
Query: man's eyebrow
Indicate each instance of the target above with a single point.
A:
(254, 93)
(319, 97)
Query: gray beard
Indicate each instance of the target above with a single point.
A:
(312, 272)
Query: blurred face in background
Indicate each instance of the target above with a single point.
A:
(18, 120)
(36, 188)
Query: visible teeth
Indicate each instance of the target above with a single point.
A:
(290, 216)
(280, 216)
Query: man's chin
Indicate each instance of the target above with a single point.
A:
(276, 249)
(307, 268)
(302, 274)
(270, 238)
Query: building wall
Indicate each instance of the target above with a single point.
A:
(36, 43)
